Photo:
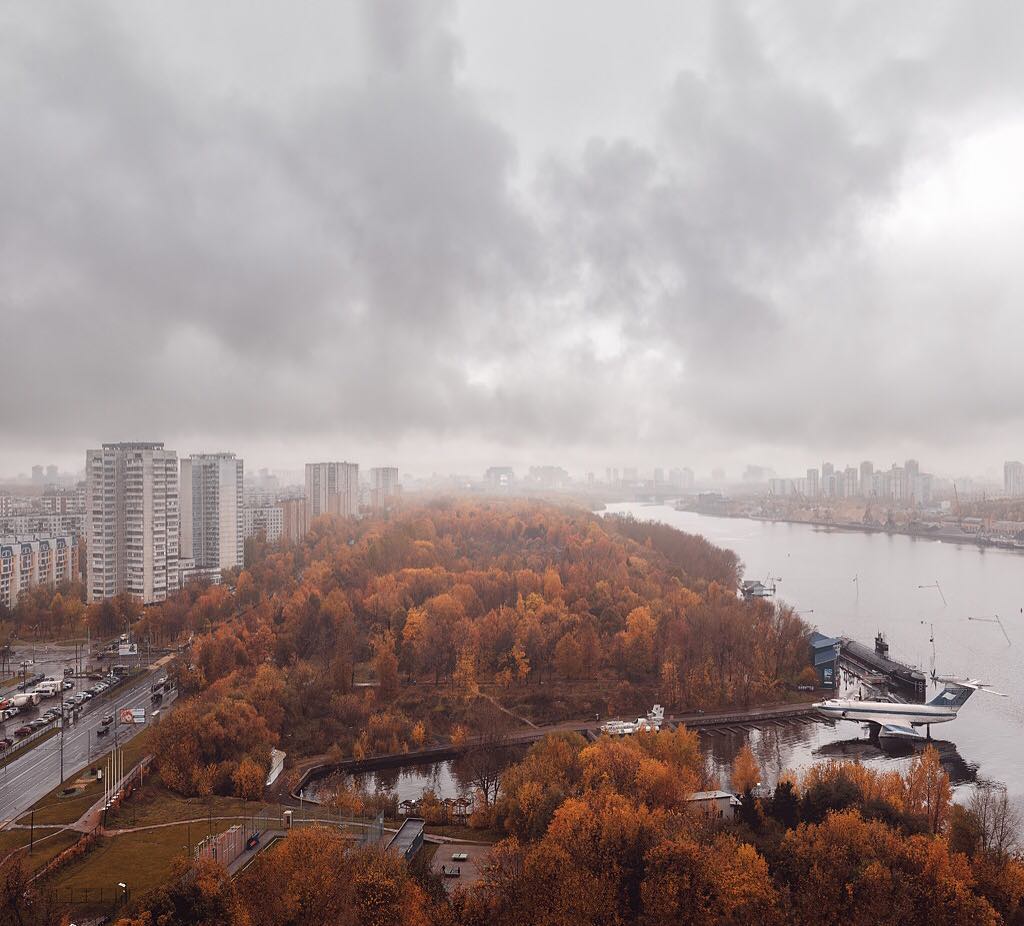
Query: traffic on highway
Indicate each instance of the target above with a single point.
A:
(90, 716)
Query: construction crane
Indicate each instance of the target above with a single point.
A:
(959, 510)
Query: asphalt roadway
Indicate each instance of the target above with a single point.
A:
(32, 775)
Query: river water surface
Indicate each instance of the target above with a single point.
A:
(856, 584)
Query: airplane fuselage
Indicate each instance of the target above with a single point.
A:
(914, 715)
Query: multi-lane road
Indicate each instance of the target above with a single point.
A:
(32, 775)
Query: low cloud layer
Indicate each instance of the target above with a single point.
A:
(812, 247)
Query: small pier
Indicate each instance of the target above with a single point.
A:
(839, 657)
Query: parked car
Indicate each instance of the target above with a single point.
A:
(86, 695)
(103, 731)
(39, 723)
(68, 670)
(68, 684)
(6, 743)
(23, 731)
(108, 720)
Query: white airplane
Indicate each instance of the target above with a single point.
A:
(888, 718)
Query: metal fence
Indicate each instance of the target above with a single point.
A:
(31, 738)
(96, 897)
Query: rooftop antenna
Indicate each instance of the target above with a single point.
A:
(994, 619)
(936, 585)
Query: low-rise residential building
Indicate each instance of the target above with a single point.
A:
(263, 520)
(30, 560)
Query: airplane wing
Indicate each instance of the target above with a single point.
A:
(895, 726)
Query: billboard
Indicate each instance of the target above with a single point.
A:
(128, 649)
(132, 715)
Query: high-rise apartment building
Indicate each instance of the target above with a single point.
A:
(332, 488)
(1013, 478)
(132, 521)
(383, 487)
(813, 488)
(211, 497)
(294, 519)
(867, 478)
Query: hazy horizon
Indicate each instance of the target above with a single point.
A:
(449, 235)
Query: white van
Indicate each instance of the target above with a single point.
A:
(48, 688)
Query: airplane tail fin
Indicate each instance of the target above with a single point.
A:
(958, 690)
(953, 695)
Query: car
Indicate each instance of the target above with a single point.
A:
(108, 720)
(103, 731)
(68, 684)
(37, 724)
(156, 697)
(68, 670)
(23, 731)
(6, 743)
(87, 695)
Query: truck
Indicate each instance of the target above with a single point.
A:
(25, 699)
(48, 688)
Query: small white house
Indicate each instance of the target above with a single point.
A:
(719, 804)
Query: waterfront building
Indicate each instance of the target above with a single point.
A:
(131, 521)
(211, 496)
(384, 488)
(1013, 478)
(30, 560)
(332, 488)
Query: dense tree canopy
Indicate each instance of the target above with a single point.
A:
(525, 599)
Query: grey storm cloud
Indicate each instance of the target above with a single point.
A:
(376, 257)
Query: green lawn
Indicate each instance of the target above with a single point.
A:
(47, 844)
(141, 860)
(154, 803)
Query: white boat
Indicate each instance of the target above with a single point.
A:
(649, 724)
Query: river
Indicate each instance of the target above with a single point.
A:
(856, 584)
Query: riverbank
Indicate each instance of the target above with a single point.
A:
(943, 536)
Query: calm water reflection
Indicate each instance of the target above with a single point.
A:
(818, 567)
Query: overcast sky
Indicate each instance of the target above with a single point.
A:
(445, 235)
